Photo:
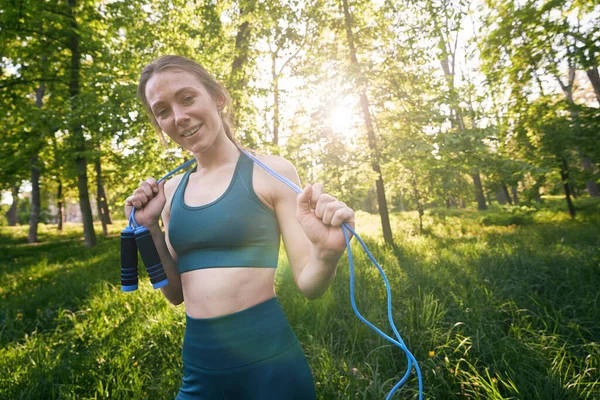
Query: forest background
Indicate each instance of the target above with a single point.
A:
(426, 111)
(395, 105)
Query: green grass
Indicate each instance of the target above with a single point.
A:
(491, 306)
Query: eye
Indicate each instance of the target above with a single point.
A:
(161, 113)
(188, 100)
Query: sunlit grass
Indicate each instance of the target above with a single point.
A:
(492, 308)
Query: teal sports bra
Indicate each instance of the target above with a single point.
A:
(235, 230)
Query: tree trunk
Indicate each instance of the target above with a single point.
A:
(401, 200)
(594, 77)
(506, 194)
(488, 197)
(77, 134)
(568, 92)
(60, 214)
(238, 79)
(515, 195)
(101, 203)
(34, 213)
(364, 103)
(275, 98)
(447, 62)
(500, 197)
(419, 203)
(479, 197)
(574, 190)
(11, 214)
(564, 175)
(592, 186)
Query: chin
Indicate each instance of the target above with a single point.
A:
(199, 148)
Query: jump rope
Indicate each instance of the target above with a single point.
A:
(135, 237)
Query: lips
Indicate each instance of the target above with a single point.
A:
(192, 131)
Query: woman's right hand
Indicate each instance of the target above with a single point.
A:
(149, 200)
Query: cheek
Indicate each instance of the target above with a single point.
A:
(164, 125)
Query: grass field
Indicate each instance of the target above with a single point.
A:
(496, 305)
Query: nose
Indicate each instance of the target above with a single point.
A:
(181, 117)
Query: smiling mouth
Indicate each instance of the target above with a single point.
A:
(192, 131)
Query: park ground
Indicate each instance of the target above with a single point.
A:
(502, 304)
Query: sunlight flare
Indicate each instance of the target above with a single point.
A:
(341, 119)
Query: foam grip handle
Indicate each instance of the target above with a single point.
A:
(150, 256)
(129, 261)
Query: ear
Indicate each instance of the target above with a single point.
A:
(220, 102)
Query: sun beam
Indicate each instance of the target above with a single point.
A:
(341, 120)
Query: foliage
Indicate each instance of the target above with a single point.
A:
(436, 119)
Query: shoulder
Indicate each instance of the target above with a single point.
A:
(268, 187)
(171, 184)
(279, 164)
(170, 188)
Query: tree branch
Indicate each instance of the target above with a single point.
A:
(44, 34)
(8, 83)
(51, 11)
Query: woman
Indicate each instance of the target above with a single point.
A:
(223, 221)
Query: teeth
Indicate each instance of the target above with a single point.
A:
(190, 133)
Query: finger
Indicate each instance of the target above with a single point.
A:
(133, 201)
(322, 203)
(318, 190)
(303, 202)
(341, 215)
(141, 196)
(128, 206)
(330, 209)
(161, 190)
(145, 186)
(153, 185)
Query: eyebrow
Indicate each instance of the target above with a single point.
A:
(177, 93)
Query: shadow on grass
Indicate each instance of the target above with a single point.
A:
(130, 356)
(17, 235)
(39, 281)
(69, 332)
(528, 299)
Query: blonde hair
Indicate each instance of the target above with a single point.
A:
(214, 88)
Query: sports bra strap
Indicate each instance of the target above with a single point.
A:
(245, 170)
(178, 195)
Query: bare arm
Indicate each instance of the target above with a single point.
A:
(310, 225)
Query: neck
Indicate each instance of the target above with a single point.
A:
(223, 151)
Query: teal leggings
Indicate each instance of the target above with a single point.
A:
(249, 355)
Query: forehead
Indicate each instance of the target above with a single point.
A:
(163, 85)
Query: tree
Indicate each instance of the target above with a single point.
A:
(75, 124)
(364, 103)
(286, 27)
(446, 19)
(529, 44)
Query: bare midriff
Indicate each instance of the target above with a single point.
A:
(214, 292)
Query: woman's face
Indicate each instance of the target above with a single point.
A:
(184, 109)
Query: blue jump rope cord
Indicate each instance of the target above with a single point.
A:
(345, 229)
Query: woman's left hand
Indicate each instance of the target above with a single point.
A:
(321, 215)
